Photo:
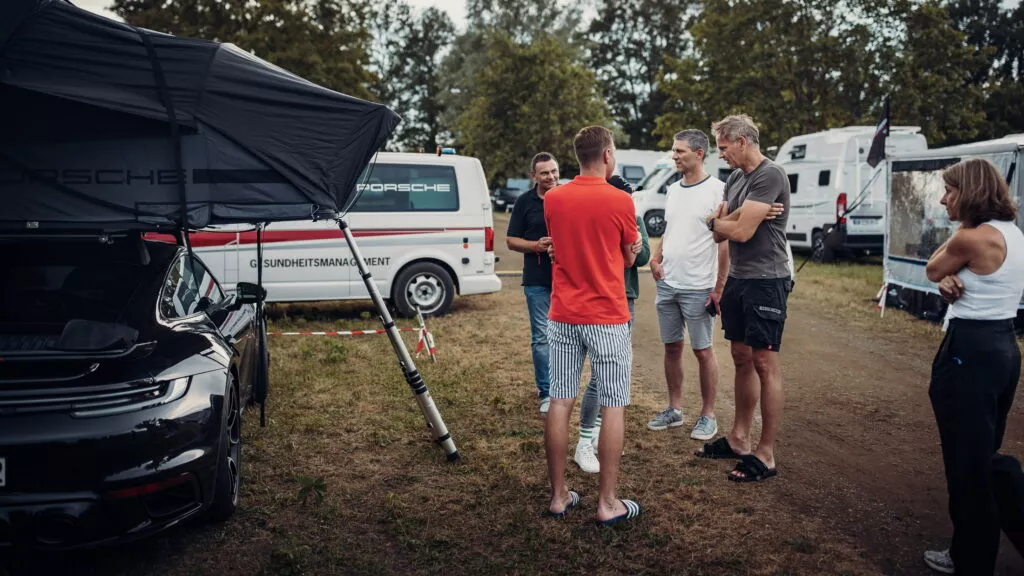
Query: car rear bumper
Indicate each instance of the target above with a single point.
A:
(86, 482)
(479, 284)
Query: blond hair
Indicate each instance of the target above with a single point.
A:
(732, 128)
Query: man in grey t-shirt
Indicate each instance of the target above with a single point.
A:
(754, 300)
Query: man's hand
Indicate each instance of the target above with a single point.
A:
(638, 245)
(657, 271)
(775, 211)
(715, 297)
(543, 244)
(951, 288)
(550, 249)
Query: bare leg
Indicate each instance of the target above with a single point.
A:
(769, 370)
(747, 392)
(674, 374)
(556, 441)
(708, 380)
(609, 452)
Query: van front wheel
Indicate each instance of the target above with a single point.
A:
(654, 221)
(426, 286)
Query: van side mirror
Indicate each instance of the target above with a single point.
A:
(249, 293)
(639, 187)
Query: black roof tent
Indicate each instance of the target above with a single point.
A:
(87, 141)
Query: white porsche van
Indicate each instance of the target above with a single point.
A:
(423, 223)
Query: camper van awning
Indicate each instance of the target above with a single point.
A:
(86, 132)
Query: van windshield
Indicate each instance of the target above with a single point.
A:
(645, 184)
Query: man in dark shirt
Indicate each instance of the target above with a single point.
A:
(528, 233)
(754, 301)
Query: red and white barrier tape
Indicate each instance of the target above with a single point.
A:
(340, 332)
(425, 342)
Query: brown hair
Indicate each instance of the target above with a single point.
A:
(540, 157)
(984, 194)
(590, 143)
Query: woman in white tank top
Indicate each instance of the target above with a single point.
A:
(980, 271)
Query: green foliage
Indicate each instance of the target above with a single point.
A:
(314, 488)
(407, 55)
(324, 41)
(529, 97)
(628, 55)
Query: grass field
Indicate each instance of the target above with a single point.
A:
(345, 480)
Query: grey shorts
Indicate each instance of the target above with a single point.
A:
(611, 359)
(684, 309)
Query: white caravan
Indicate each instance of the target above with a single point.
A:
(649, 198)
(828, 173)
(422, 222)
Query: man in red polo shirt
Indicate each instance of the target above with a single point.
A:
(593, 224)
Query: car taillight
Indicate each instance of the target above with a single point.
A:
(488, 239)
(841, 208)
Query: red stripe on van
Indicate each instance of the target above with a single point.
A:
(206, 239)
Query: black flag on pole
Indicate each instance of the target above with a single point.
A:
(877, 153)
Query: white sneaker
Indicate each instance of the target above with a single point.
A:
(545, 403)
(940, 561)
(586, 458)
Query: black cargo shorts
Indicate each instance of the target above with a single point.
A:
(754, 311)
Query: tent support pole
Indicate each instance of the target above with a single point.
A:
(412, 375)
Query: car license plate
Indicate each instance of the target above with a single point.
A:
(3, 472)
(863, 221)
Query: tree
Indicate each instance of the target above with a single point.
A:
(935, 79)
(324, 41)
(407, 57)
(530, 97)
(795, 66)
(629, 55)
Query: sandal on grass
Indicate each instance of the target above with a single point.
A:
(574, 501)
(753, 470)
(632, 511)
(718, 450)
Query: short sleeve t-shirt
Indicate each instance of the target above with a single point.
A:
(589, 220)
(527, 222)
(766, 254)
(689, 252)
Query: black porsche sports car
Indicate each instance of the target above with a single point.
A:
(124, 371)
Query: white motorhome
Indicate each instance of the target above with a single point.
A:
(649, 198)
(423, 223)
(635, 165)
(828, 173)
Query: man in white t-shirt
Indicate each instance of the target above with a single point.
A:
(690, 269)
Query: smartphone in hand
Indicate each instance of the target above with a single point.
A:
(711, 308)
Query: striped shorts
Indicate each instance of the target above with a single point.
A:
(611, 358)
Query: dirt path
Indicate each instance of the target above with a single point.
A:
(859, 444)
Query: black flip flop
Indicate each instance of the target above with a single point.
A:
(717, 450)
(753, 470)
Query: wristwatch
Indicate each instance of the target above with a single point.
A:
(711, 223)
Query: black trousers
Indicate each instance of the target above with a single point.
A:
(974, 378)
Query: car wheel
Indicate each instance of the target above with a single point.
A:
(229, 469)
(820, 252)
(654, 221)
(426, 286)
